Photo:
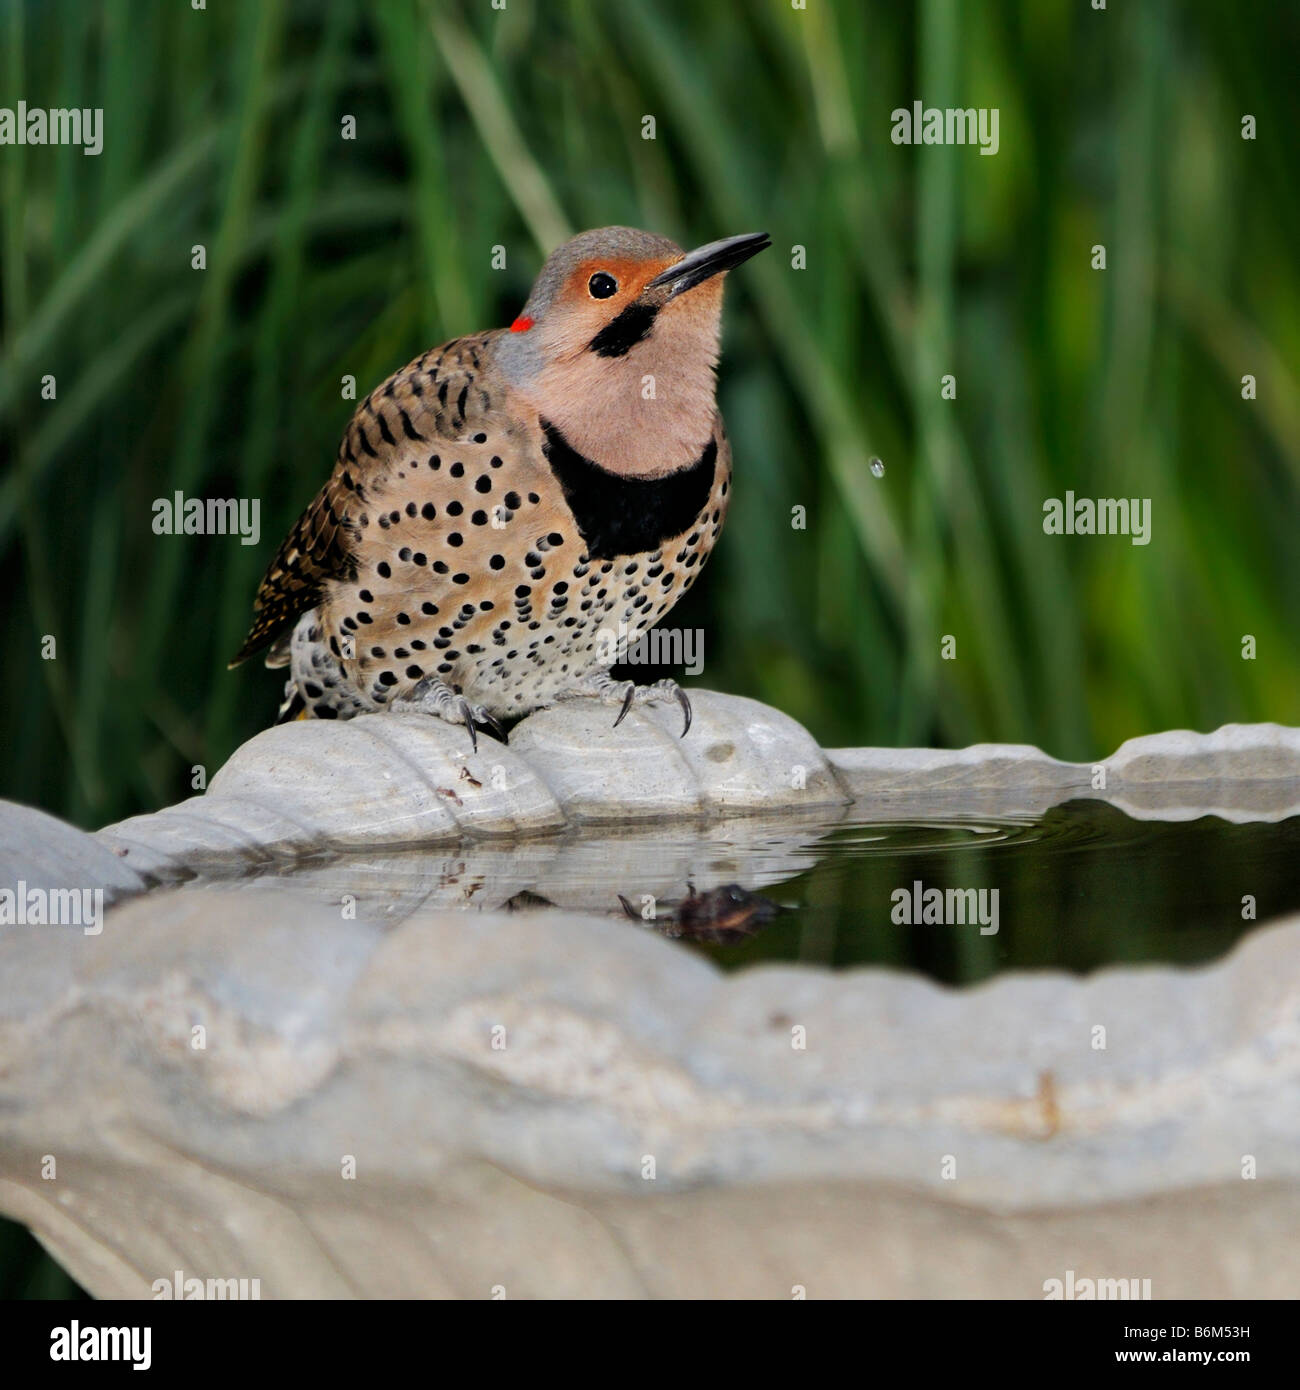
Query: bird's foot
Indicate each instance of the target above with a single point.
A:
(436, 697)
(625, 694)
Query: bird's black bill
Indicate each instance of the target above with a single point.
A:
(706, 261)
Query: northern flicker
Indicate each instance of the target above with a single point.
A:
(503, 504)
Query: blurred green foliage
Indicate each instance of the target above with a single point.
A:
(477, 127)
(26, 1271)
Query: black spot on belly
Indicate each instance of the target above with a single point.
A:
(625, 516)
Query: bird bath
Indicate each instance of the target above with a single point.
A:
(369, 1018)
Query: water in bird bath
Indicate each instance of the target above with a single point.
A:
(957, 899)
(1081, 887)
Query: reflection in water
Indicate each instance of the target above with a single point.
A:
(723, 915)
(1077, 887)
(582, 871)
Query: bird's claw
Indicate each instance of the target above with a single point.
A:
(467, 718)
(603, 687)
(494, 724)
(662, 690)
(684, 700)
(436, 697)
(628, 699)
(473, 715)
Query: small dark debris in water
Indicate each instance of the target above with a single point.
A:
(469, 777)
(723, 915)
(450, 795)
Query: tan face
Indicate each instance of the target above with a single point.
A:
(618, 343)
(645, 411)
(592, 296)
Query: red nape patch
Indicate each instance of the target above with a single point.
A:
(521, 325)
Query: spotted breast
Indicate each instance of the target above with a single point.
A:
(508, 512)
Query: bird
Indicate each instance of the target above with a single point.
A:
(507, 502)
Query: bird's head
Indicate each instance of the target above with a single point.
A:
(618, 342)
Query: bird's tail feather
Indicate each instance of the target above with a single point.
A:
(293, 706)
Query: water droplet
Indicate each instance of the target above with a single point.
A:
(877, 468)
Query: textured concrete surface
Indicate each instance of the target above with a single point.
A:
(42, 852)
(1240, 772)
(385, 781)
(561, 1105)
(390, 781)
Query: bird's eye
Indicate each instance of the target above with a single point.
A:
(602, 285)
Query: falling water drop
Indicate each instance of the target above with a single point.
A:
(877, 468)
